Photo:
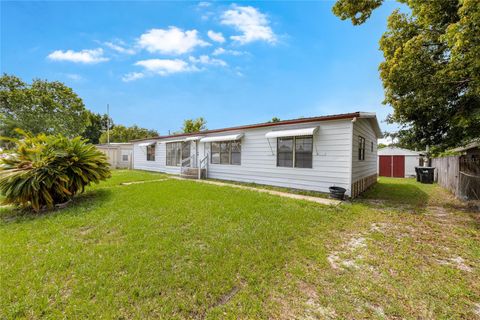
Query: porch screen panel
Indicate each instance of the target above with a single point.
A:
(174, 153)
(186, 150)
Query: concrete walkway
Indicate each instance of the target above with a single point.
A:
(329, 202)
(143, 181)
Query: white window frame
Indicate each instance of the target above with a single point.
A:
(229, 142)
(294, 139)
(361, 148)
(154, 152)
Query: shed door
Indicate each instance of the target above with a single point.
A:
(385, 166)
(398, 166)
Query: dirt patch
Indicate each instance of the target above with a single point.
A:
(85, 230)
(313, 310)
(356, 243)
(378, 310)
(476, 309)
(378, 227)
(457, 262)
(348, 257)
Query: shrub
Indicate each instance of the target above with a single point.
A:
(42, 171)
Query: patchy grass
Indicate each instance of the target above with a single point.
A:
(275, 188)
(179, 249)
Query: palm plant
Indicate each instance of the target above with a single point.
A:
(43, 171)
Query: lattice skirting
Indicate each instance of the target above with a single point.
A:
(363, 184)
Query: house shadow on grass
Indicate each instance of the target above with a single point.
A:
(80, 204)
(401, 193)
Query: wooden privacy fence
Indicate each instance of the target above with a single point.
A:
(460, 175)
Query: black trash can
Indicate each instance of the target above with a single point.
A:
(426, 174)
(417, 171)
(337, 192)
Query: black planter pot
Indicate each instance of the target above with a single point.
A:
(337, 192)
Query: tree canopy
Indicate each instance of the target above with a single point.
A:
(121, 133)
(431, 68)
(40, 107)
(194, 125)
(97, 124)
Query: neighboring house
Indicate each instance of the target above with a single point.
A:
(470, 151)
(460, 173)
(398, 162)
(119, 154)
(308, 153)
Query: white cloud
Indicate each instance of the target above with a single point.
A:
(216, 36)
(165, 67)
(119, 47)
(220, 51)
(204, 59)
(253, 24)
(132, 76)
(83, 56)
(170, 41)
(204, 4)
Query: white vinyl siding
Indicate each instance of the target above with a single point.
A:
(368, 166)
(331, 159)
(141, 163)
(334, 157)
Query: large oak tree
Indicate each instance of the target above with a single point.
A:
(431, 72)
(40, 107)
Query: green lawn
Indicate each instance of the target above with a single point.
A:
(180, 249)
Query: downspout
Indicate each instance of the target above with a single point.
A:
(350, 178)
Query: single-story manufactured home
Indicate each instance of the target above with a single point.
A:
(119, 154)
(307, 153)
(398, 162)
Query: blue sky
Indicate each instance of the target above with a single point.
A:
(158, 63)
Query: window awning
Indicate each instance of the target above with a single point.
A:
(177, 140)
(146, 144)
(195, 138)
(291, 133)
(222, 138)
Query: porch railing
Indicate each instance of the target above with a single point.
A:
(203, 165)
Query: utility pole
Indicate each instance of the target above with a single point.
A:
(108, 125)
